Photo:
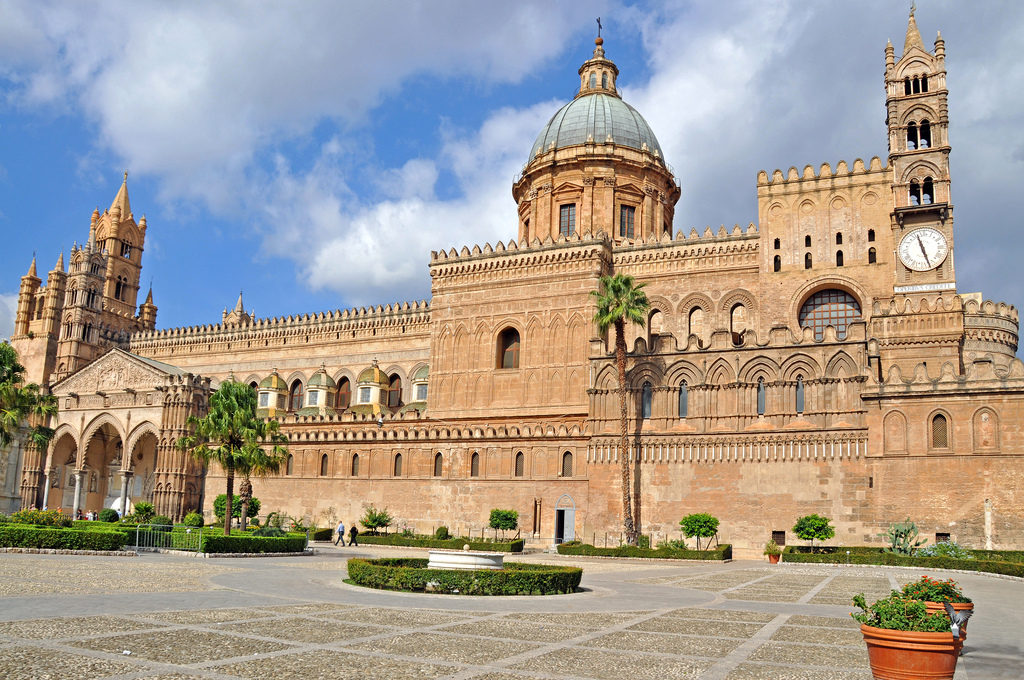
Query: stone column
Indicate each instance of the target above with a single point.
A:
(79, 477)
(46, 489)
(126, 478)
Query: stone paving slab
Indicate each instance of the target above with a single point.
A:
(754, 672)
(608, 665)
(816, 655)
(517, 630)
(180, 646)
(331, 665)
(825, 636)
(302, 630)
(666, 643)
(465, 650)
(416, 618)
(33, 663)
(680, 624)
(62, 628)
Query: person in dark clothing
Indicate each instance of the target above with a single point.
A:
(352, 533)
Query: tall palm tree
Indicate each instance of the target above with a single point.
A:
(233, 436)
(22, 404)
(259, 465)
(620, 301)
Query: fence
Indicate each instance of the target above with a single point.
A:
(153, 536)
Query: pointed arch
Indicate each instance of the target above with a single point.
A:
(721, 373)
(759, 367)
(841, 362)
(800, 364)
(94, 425)
(137, 433)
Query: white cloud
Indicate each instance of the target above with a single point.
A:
(8, 309)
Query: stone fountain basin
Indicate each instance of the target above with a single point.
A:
(465, 559)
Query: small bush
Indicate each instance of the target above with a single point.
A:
(161, 522)
(193, 519)
(451, 543)
(236, 506)
(144, 512)
(253, 544)
(108, 515)
(25, 536)
(699, 525)
(674, 544)
(441, 533)
(42, 518)
(946, 549)
(643, 541)
(721, 552)
(374, 519)
(514, 579)
(814, 528)
(321, 534)
(504, 520)
(269, 531)
(897, 612)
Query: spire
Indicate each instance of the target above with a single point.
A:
(239, 307)
(598, 74)
(149, 296)
(913, 35)
(60, 263)
(121, 200)
(32, 267)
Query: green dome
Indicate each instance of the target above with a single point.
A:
(273, 382)
(373, 376)
(322, 380)
(596, 118)
(421, 375)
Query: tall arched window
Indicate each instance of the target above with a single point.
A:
(928, 192)
(777, 244)
(567, 464)
(924, 83)
(604, 80)
(912, 136)
(761, 396)
(438, 464)
(807, 241)
(118, 288)
(926, 134)
(398, 465)
(295, 396)
(839, 258)
(289, 466)
(777, 264)
(395, 391)
(940, 432)
(593, 80)
(832, 307)
(520, 464)
(355, 465)
(906, 86)
(839, 238)
(696, 321)
(474, 465)
(508, 348)
(799, 394)
(872, 256)
(915, 193)
(645, 401)
(737, 323)
(807, 261)
(344, 393)
(323, 465)
(684, 399)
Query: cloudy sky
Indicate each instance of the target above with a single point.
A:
(313, 153)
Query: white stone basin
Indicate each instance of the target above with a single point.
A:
(465, 559)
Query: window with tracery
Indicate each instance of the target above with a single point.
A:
(832, 307)
(520, 464)
(940, 432)
(567, 464)
(645, 401)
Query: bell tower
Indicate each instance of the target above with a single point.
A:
(917, 117)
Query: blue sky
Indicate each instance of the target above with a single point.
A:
(313, 154)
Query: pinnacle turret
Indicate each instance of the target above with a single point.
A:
(32, 267)
(913, 35)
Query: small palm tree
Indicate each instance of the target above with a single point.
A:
(233, 436)
(21, 404)
(620, 301)
(260, 465)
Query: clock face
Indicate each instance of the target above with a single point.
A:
(923, 249)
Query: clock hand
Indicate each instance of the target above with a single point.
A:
(924, 252)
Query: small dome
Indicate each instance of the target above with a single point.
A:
(373, 376)
(421, 375)
(321, 379)
(273, 382)
(596, 117)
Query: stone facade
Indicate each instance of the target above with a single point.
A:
(820, 360)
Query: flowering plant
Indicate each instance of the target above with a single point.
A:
(897, 612)
(933, 590)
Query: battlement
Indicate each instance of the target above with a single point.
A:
(897, 307)
(824, 173)
(928, 380)
(992, 309)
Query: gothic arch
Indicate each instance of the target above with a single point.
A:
(759, 367)
(694, 300)
(98, 422)
(644, 372)
(62, 431)
(921, 169)
(344, 373)
(683, 370)
(919, 112)
(607, 378)
(138, 432)
(841, 360)
(800, 364)
(985, 429)
(721, 373)
(296, 375)
(843, 283)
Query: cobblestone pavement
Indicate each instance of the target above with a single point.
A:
(163, 616)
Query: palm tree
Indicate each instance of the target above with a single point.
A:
(232, 436)
(259, 465)
(21, 404)
(620, 301)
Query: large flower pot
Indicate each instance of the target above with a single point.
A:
(903, 655)
(774, 559)
(933, 607)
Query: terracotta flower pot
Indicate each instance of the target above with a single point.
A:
(903, 655)
(774, 559)
(933, 607)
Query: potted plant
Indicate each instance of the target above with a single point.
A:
(905, 641)
(773, 551)
(935, 594)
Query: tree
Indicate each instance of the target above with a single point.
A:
(505, 520)
(22, 405)
(814, 527)
(620, 301)
(220, 503)
(231, 435)
(374, 519)
(700, 525)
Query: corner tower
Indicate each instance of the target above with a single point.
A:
(917, 117)
(596, 166)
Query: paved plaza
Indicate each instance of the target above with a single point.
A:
(171, 617)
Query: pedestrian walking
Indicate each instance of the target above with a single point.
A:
(341, 534)
(352, 533)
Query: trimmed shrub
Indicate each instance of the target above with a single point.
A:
(515, 579)
(161, 522)
(253, 544)
(814, 528)
(193, 519)
(321, 534)
(42, 518)
(270, 531)
(108, 515)
(862, 555)
(374, 519)
(666, 552)
(699, 525)
(25, 536)
(451, 543)
(504, 520)
(441, 533)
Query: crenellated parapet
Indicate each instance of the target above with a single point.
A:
(710, 251)
(990, 328)
(809, 178)
(513, 259)
(931, 380)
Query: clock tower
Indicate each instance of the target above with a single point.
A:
(917, 116)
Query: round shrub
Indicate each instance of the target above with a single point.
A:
(412, 575)
(946, 549)
(441, 533)
(108, 515)
(193, 519)
(162, 522)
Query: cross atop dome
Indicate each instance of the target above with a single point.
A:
(598, 74)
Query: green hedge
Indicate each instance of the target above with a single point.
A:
(722, 552)
(515, 579)
(450, 544)
(861, 555)
(27, 536)
(322, 535)
(253, 544)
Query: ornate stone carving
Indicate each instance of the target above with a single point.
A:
(112, 372)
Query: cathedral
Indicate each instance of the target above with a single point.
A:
(820, 360)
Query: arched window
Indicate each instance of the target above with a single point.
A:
(777, 263)
(777, 244)
(915, 193)
(398, 465)
(567, 219)
(289, 466)
(323, 465)
(395, 391)
(807, 241)
(940, 432)
(254, 385)
(839, 238)
(474, 465)
(118, 288)
(839, 258)
(295, 396)
(604, 80)
(928, 192)
(737, 323)
(684, 399)
(872, 256)
(520, 464)
(593, 80)
(645, 401)
(916, 82)
(799, 394)
(508, 348)
(925, 134)
(696, 321)
(761, 394)
(567, 464)
(438, 464)
(912, 136)
(807, 261)
(344, 393)
(871, 235)
(832, 307)
(355, 464)
(906, 86)
(924, 83)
